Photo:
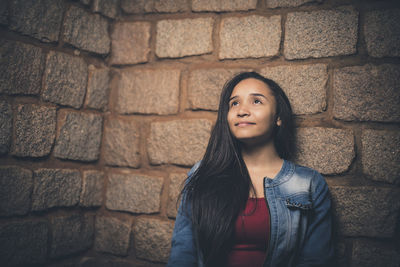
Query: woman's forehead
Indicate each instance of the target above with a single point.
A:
(251, 86)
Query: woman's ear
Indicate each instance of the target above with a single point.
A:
(278, 122)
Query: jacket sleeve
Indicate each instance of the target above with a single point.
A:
(183, 249)
(318, 244)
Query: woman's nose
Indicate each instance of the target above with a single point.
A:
(243, 111)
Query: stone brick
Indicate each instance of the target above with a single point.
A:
(175, 188)
(223, 5)
(367, 93)
(55, 188)
(23, 243)
(80, 137)
(92, 188)
(185, 37)
(65, 79)
(6, 118)
(34, 130)
(289, 3)
(366, 211)
(321, 33)
(328, 150)
(112, 235)
(382, 33)
(251, 36)
(40, 19)
(153, 239)
(108, 8)
(21, 68)
(381, 155)
(368, 253)
(130, 42)
(97, 262)
(86, 31)
(305, 85)
(85, 2)
(98, 88)
(205, 86)
(121, 143)
(71, 234)
(148, 91)
(133, 193)
(4, 12)
(16, 185)
(180, 142)
(150, 6)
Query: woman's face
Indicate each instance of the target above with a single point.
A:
(252, 111)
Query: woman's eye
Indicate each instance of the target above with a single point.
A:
(256, 101)
(234, 103)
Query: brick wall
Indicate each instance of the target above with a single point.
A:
(106, 104)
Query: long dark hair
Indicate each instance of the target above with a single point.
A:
(218, 190)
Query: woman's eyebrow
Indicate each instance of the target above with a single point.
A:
(258, 94)
(233, 97)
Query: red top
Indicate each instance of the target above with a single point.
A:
(252, 232)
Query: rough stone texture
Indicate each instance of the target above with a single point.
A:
(92, 188)
(148, 91)
(367, 93)
(133, 193)
(289, 3)
(381, 155)
(185, 37)
(5, 126)
(112, 235)
(121, 143)
(80, 137)
(321, 33)
(327, 150)
(4, 12)
(71, 234)
(23, 243)
(55, 188)
(130, 42)
(98, 88)
(34, 130)
(382, 33)
(153, 239)
(205, 86)
(175, 188)
(366, 211)
(223, 5)
(86, 31)
(108, 8)
(305, 86)
(40, 19)
(97, 262)
(85, 2)
(368, 253)
(16, 185)
(21, 68)
(180, 142)
(65, 79)
(150, 6)
(251, 36)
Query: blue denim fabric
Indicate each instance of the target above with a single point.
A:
(300, 217)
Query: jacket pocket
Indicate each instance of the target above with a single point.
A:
(299, 201)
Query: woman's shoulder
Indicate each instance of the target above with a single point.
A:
(313, 177)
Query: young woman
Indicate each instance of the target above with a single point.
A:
(245, 203)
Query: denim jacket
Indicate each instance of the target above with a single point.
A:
(300, 222)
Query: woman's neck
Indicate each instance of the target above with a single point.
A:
(261, 156)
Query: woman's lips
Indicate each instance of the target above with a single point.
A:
(244, 123)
